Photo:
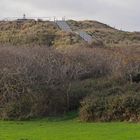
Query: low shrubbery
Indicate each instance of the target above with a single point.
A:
(41, 82)
(123, 105)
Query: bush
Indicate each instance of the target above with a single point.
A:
(20, 109)
(97, 43)
(92, 109)
(41, 82)
(124, 107)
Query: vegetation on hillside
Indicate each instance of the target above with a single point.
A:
(47, 33)
(111, 37)
(42, 82)
(31, 32)
(100, 83)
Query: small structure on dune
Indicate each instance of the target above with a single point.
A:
(22, 19)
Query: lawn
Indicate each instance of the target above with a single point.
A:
(68, 130)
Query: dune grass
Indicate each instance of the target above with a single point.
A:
(67, 130)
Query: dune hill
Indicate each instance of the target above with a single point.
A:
(31, 32)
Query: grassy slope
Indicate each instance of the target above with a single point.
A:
(68, 130)
(31, 32)
(110, 36)
(47, 33)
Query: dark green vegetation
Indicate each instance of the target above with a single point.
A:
(117, 103)
(68, 130)
(45, 72)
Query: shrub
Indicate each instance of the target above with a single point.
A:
(97, 43)
(92, 109)
(124, 107)
(40, 82)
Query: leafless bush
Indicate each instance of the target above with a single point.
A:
(40, 78)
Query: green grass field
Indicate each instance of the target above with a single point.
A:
(68, 130)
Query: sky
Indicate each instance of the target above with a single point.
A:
(121, 14)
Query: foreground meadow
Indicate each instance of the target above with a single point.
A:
(68, 130)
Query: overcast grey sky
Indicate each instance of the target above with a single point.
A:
(123, 14)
